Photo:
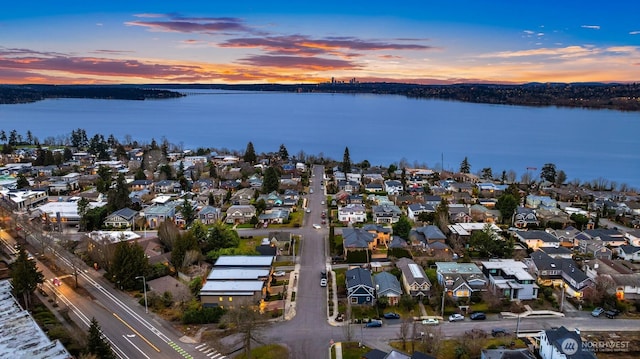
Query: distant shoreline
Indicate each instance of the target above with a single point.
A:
(620, 97)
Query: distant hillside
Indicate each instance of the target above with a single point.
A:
(623, 97)
(12, 94)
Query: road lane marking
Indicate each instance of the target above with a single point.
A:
(135, 331)
(135, 346)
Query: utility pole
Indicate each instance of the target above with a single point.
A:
(144, 284)
(444, 291)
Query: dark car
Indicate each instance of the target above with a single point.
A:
(478, 316)
(497, 332)
(374, 324)
(323, 274)
(612, 313)
(391, 315)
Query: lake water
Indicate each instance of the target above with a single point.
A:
(383, 129)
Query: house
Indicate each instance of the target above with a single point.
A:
(415, 209)
(610, 237)
(561, 343)
(633, 237)
(122, 218)
(393, 187)
(275, 215)
(558, 272)
(626, 283)
(373, 187)
(352, 213)
(560, 252)
(460, 279)
(414, 279)
(382, 234)
(426, 235)
(386, 214)
(243, 196)
(510, 279)
(167, 186)
(595, 248)
(459, 213)
(156, 214)
(24, 200)
(360, 289)
(394, 354)
(525, 217)
(533, 201)
(630, 253)
(357, 239)
(209, 214)
(139, 185)
(536, 239)
(388, 286)
(237, 214)
(349, 186)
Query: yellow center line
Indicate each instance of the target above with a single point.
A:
(136, 332)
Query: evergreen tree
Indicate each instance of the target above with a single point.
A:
(250, 154)
(187, 211)
(22, 182)
(25, 277)
(139, 175)
(465, 167)
(129, 261)
(97, 344)
(284, 154)
(402, 228)
(184, 243)
(104, 179)
(346, 161)
(507, 205)
(118, 197)
(271, 180)
(548, 172)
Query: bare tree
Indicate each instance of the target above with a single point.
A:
(404, 332)
(526, 178)
(247, 323)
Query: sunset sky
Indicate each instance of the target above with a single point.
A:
(427, 42)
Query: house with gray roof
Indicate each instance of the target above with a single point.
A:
(561, 343)
(558, 272)
(209, 214)
(426, 235)
(158, 213)
(122, 218)
(414, 279)
(360, 288)
(415, 209)
(238, 214)
(460, 279)
(388, 286)
(630, 253)
(536, 239)
(357, 239)
(525, 217)
(393, 187)
(386, 214)
(352, 213)
(510, 279)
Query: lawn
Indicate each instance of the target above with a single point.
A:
(351, 350)
(271, 351)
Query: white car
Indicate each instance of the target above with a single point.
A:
(323, 282)
(316, 226)
(280, 273)
(430, 321)
(456, 317)
(308, 210)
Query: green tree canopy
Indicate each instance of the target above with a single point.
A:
(118, 197)
(129, 262)
(184, 243)
(346, 161)
(220, 236)
(580, 220)
(402, 228)
(548, 172)
(507, 205)
(97, 344)
(250, 154)
(465, 167)
(25, 277)
(187, 211)
(283, 153)
(271, 180)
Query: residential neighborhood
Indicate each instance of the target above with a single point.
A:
(225, 232)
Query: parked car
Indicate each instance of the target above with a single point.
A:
(308, 210)
(323, 274)
(374, 324)
(280, 273)
(323, 282)
(496, 332)
(456, 317)
(478, 316)
(431, 321)
(612, 313)
(391, 315)
(316, 226)
(597, 311)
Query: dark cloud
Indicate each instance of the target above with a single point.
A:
(306, 46)
(177, 23)
(310, 63)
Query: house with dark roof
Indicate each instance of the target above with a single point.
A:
(414, 279)
(559, 252)
(382, 234)
(352, 213)
(561, 343)
(558, 272)
(360, 288)
(240, 214)
(393, 187)
(122, 218)
(209, 214)
(630, 253)
(394, 354)
(388, 286)
(610, 237)
(426, 235)
(525, 217)
(536, 239)
(504, 353)
(510, 279)
(415, 209)
(357, 239)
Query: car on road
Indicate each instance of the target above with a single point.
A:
(56, 282)
(308, 210)
(478, 316)
(280, 273)
(322, 202)
(323, 282)
(498, 332)
(311, 190)
(431, 321)
(374, 324)
(456, 317)
(612, 313)
(597, 311)
(391, 315)
(324, 221)
(316, 226)
(323, 274)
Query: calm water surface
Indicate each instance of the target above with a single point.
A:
(586, 144)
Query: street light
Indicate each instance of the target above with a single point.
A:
(144, 284)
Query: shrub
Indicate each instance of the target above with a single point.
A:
(202, 315)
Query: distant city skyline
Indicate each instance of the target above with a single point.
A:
(422, 42)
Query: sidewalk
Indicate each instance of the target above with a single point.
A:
(290, 306)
